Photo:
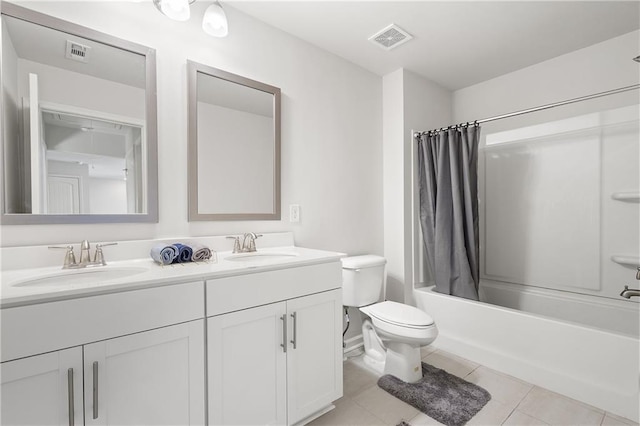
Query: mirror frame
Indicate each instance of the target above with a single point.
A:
(193, 68)
(151, 119)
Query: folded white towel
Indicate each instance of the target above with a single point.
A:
(164, 254)
(200, 253)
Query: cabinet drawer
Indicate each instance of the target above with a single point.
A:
(246, 291)
(34, 329)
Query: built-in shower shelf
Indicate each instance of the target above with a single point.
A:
(630, 197)
(626, 260)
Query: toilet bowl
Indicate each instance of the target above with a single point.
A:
(392, 332)
(402, 330)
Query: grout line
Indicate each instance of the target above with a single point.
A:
(523, 398)
(471, 372)
(512, 411)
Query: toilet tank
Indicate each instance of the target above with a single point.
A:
(362, 279)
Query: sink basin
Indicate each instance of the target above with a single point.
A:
(80, 276)
(258, 256)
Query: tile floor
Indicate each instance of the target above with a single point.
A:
(513, 402)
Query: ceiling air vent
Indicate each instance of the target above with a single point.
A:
(77, 52)
(390, 37)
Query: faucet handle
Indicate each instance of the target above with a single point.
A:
(105, 244)
(236, 243)
(69, 256)
(252, 241)
(99, 255)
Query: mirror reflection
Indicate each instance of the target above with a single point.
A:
(234, 147)
(91, 166)
(76, 121)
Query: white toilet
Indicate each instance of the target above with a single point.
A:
(394, 332)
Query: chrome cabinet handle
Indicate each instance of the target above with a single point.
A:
(70, 396)
(295, 329)
(284, 333)
(95, 390)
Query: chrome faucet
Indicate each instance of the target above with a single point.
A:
(85, 255)
(252, 242)
(631, 292)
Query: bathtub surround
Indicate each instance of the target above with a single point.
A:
(447, 178)
(443, 396)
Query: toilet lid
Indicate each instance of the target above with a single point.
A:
(400, 314)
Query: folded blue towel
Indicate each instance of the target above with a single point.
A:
(184, 253)
(164, 254)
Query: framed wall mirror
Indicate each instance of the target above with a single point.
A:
(79, 122)
(234, 146)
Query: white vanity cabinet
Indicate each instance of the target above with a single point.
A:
(156, 376)
(43, 389)
(150, 378)
(274, 357)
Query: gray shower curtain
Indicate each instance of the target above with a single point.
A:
(447, 163)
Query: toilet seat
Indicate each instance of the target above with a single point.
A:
(398, 314)
(403, 321)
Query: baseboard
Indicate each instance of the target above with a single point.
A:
(352, 344)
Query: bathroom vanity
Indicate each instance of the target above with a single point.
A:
(246, 340)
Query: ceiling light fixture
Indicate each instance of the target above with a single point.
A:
(215, 21)
(174, 9)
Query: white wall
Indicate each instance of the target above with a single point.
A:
(598, 68)
(331, 128)
(107, 196)
(411, 103)
(79, 90)
(235, 159)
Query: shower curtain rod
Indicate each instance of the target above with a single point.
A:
(539, 108)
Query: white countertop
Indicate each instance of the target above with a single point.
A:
(153, 275)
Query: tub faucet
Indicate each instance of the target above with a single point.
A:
(631, 292)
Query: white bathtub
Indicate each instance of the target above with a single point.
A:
(597, 367)
(619, 316)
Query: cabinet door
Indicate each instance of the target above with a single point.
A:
(247, 366)
(314, 361)
(43, 390)
(152, 378)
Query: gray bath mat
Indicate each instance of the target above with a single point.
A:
(440, 395)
